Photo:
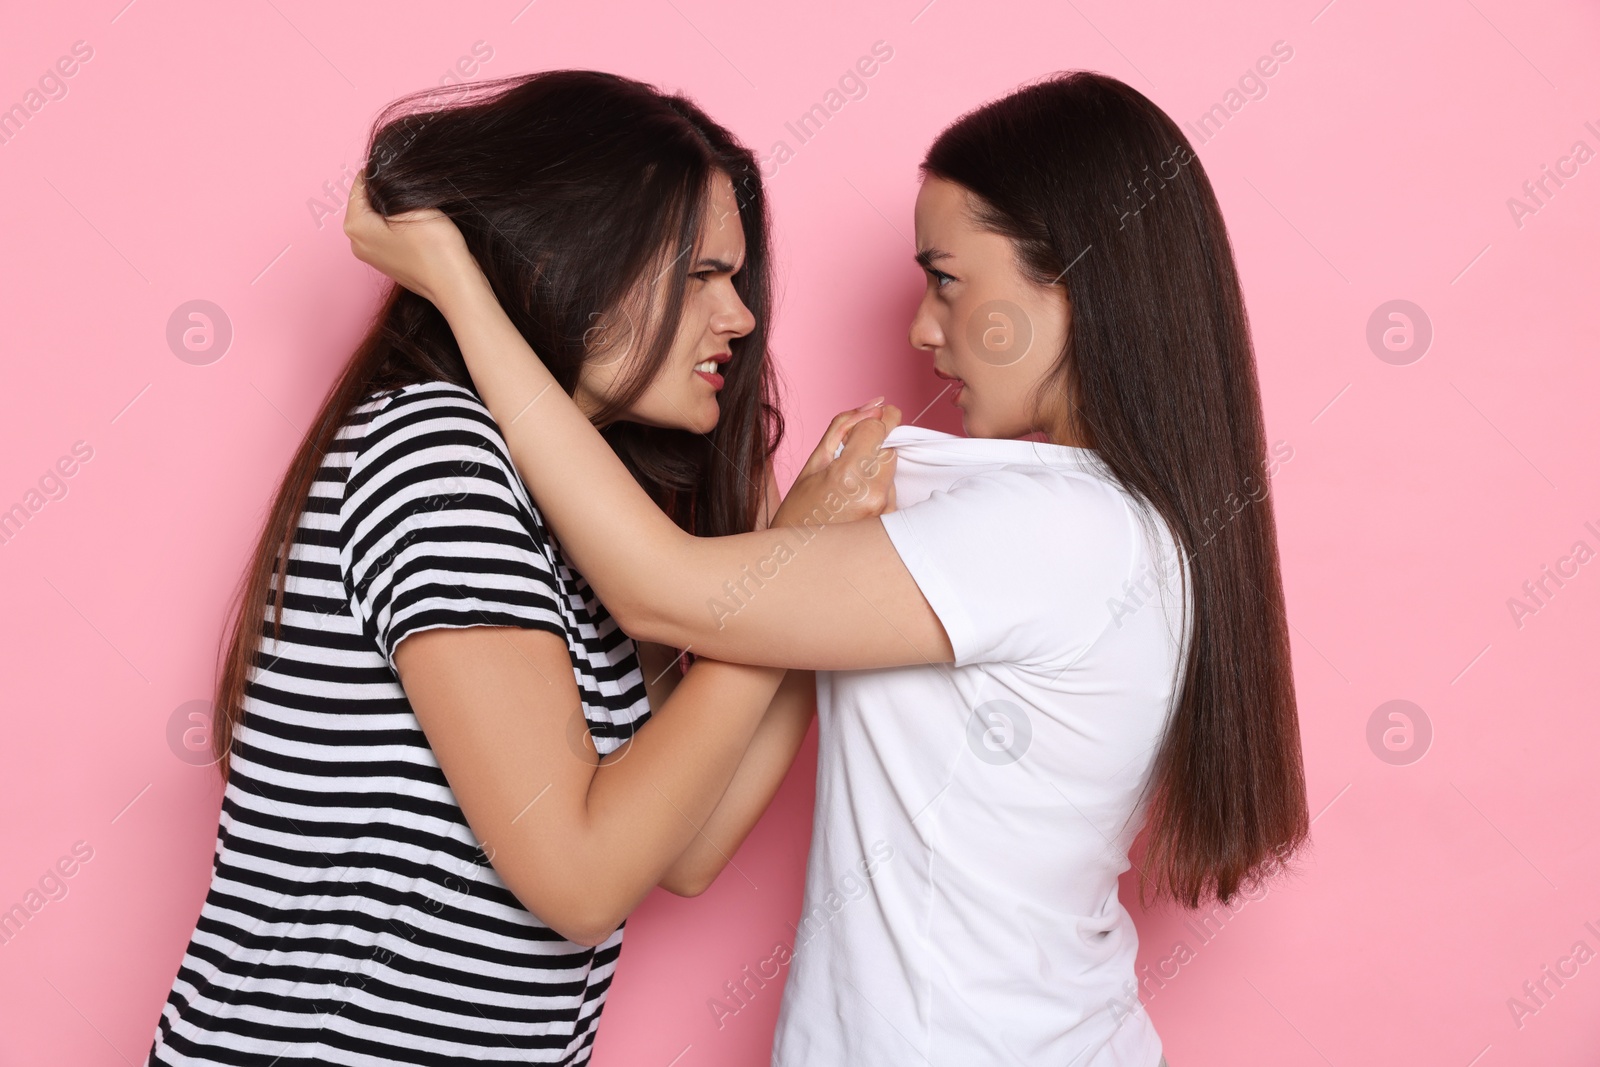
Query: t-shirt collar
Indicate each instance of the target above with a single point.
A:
(930, 444)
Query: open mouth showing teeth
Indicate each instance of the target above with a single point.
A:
(709, 366)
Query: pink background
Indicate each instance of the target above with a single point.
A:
(1419, 498)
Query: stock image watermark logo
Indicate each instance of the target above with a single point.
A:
(1252, 85)
(1254, 491)
(1538, 992)
(1158, 575)
(1205, 926)
(999, 332)
(189, 733)
(1152, 184)
(1399, 732)
(1539, 591)
(199, 332)
(51, 886)
(851, 85)
(407, 924)
(595, 741)
(51, 486)
(51, 86)
(742, 591)
(1399, 332)
(999, 732)
(737, 994)
(1538, 192)
(609, 341)
(335, 194)
(1151, 583)
(455, 488)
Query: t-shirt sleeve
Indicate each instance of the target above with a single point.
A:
(438, 531)
(1020, 565)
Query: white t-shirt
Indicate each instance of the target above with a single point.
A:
(972, 819)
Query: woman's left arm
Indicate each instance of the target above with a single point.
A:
(763, 767)
(809, 595)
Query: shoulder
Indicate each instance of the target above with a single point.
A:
(1072, 496)
(1051, 519)
(437, 411)
(1017, 559)
(1093, 516)
(1034, 515)
(416, 427)
(432, 439)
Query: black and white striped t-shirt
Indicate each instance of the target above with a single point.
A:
(353, 917)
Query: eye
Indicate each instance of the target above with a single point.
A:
(939, 277)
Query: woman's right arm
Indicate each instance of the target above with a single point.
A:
(578, 839)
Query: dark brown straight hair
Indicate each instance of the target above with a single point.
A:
(577, 191)
(1100, 192)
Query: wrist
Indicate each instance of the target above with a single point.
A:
(463, 289)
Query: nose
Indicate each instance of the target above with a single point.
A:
(925, 333)
(733, 318)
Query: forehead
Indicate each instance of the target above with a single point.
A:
(943, 207)
(721, 226)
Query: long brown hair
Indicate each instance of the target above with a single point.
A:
(1100, 192)
(572, 188)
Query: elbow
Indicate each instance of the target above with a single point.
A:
(655, 605)
(583, 915)
(690, 880)
(635, 620)
(588, 927)
(643, 622)
(688, 885)
(589, 936)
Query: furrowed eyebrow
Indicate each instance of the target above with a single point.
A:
(929, 256)
(720, 265)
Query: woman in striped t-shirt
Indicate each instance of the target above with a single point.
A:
(427, 847)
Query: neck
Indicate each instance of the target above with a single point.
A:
(590, 405)
(1059, 429)
(1061, 434)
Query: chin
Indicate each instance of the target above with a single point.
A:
(705, 417)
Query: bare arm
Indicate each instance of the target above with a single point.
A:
(578, 840)
(834, 598)
(762, 770)
(765, 764)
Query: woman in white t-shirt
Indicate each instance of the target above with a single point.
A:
(1045, 647)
